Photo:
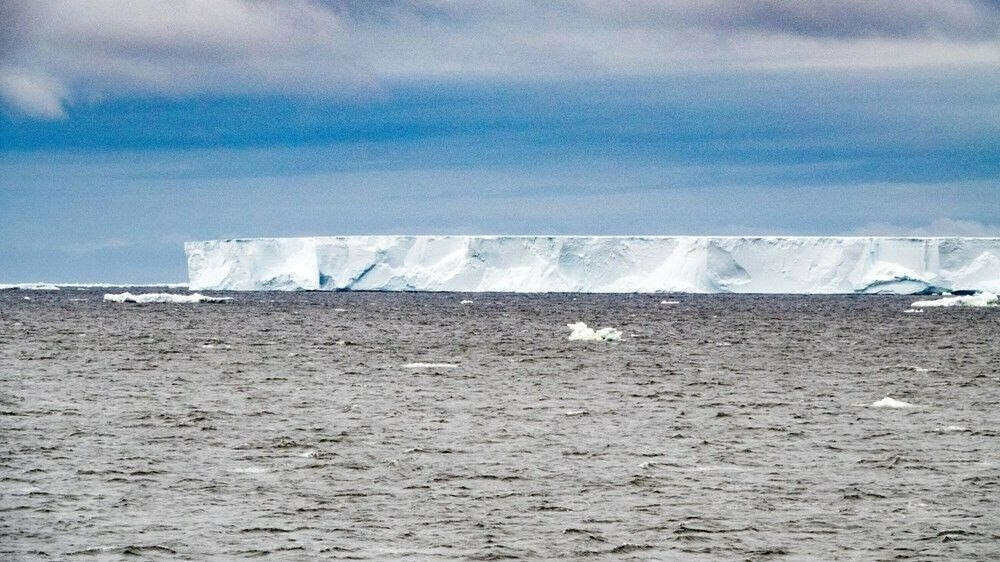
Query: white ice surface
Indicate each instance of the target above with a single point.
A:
(888, 402)
(29, 286)
(580, 331)
(603, 264)
(979, 299)
(162, 297)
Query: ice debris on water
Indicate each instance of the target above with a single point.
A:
(466, 301)
(430, 366)
(580, 331)
(984, 298)
(28, 286)
(162, 297)
(888, 402)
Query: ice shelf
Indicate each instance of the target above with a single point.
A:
(602, 264)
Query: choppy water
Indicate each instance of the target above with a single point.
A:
(302, 425)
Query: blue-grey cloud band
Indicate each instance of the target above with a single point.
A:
(54, 53)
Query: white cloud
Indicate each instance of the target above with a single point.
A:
(937, 227)
(333, 47)
(35, 95)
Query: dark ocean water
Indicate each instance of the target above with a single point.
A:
(295, 426)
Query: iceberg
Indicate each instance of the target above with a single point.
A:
(600, 264)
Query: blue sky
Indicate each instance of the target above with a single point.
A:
(127, 128)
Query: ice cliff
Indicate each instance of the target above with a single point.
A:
(612, 264)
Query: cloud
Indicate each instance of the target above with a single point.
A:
(937, 227)
(35, 95)
(96, 48)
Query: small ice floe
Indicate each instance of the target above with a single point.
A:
(27, 298)
(29, 287)
(430, 366)
(913, 311)
(888, 402)
(162, 297)
(307, 454)
(574, 413)
(465, 301)
(249, 470)
(954, 429)
(979, 299)
(580, 331)
(670, 302)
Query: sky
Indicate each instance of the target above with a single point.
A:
(130, 127)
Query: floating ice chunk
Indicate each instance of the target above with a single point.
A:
(430, 366)
(978, 299)
(914, 311)
(162, 297)
(954, 429)
(573, 413)
(249, 470)
(583, 332)
(670, 302)
(888, 402)
(466, 301)
(29, 287)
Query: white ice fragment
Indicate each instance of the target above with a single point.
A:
(29, 286)
(979, 299)
(466, 301)
(162, 297)
(670, 302)
(888, 402)
(249, 470)
(954, 429)
(430, 366)
(573, 413)
(580, 331)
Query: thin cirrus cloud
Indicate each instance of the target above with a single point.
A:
(56, 53)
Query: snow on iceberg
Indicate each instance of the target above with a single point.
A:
(162, 297)
(601, 264)
(978, 299)
(580, 331)
(888, 402)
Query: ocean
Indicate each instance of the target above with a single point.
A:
(358, 425)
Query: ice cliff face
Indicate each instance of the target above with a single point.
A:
(612, 264)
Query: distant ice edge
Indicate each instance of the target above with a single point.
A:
(600, 264)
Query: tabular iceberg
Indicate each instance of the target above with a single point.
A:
(602, 264)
